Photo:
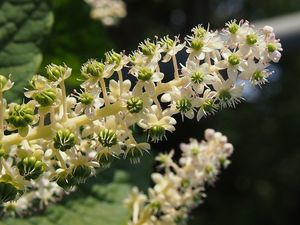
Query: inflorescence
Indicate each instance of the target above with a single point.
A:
(180, 187)
(54, 141)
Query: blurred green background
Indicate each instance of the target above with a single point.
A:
(262, 185)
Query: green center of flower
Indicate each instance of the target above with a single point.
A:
(135, 104)
(271, 47)
(54, 72)
(145, 74)
(148, 48)
(234, 59)
(8, 191)
(108, 138)
(168, 42)
(224, 95)
(209, 106)
(197, 44)
(46, 97)
(251, 39)
(156, 133)
(81, 173)
(21, 115)
(257, 75)
(113, 58)
(183, 105)
(195, 151)
(64, 140)
(93, 68)
(86, 98)
(199, 32)
(30, 167)
(197, 77)
(233, 28)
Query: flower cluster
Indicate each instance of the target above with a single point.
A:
(181, 186)
(64, 138)
(107, 11)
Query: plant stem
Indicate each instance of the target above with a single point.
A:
(60, 158)
(175, 65)
(103, 87)
(120, 75)
(64, 100)
(1, 115)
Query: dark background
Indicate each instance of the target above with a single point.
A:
(262, 184)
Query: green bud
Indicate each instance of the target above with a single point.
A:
(197, 77)
(251, 39)
(108, 138)
(3, 82)
(81, 173)
(234, 59)
(233, 28)
(258, 75)
(224, 95)
(46, 97)
(113, 58)
(21, 115)
(271, 47)
(86, 98)
(31, 168)
(145, 74)
(8, 191)
(156, 133)
(135, 104)
(64, 140)
(93, 68)
(183, 105)
(197, 44)
(54, 72)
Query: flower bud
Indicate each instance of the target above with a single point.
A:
(93, 68)
(20, 115)
(81, 173)
(3, 82)
(108, 138)
(8, 191)
(31, 168)
(135, 104)
(46, 97)
(64, 140)
(54, 72)
(156, 133)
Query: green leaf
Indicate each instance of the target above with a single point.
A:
(23, 25)
(97, 202)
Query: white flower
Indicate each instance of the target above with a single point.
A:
(157, 123)
(114, 87)
(170, 47)
(88, 102)
(256, 72)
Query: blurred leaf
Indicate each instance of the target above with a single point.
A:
(23, 25)
(99, 201)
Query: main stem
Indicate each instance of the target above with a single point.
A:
(1, 115)
(40, 132)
